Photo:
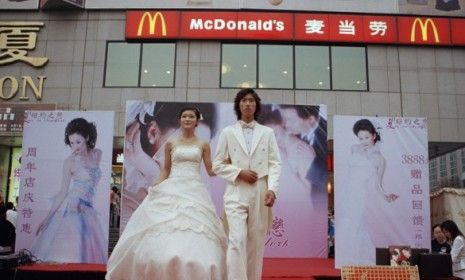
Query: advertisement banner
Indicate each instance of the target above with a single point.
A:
(432, 7)
(12, 116)
(367, 6)
(301, 136)
(63, 211)
(381, 184)
(19, 5)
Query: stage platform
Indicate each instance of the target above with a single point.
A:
(273, 269)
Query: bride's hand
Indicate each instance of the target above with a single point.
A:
(132, 145)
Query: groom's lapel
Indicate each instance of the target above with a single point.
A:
(237, 130)
(257, 135)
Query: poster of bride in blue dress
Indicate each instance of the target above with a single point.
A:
(63, 212)
(381, 185)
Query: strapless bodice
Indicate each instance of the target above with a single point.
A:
(185, 161)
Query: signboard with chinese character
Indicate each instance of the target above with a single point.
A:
(381, 184)
(293, 27)
(16, 39)
(19, 5)
(63, 211)
(303, 179)
(12, 117)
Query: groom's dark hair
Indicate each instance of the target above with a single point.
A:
(241, 94)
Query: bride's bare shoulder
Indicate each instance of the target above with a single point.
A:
(355, 148)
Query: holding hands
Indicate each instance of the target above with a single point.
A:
(248, 176)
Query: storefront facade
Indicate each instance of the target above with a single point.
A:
(91, 56)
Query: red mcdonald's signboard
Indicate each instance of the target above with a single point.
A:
(458, 31)
(294, 27)
(152, 24)
(424, 31)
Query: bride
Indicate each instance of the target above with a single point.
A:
(174, 233)
(364, 186)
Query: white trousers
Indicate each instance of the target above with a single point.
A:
(247, 218)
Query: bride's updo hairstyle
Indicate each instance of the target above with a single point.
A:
(84, 128)
(193, 109)
(366, 125)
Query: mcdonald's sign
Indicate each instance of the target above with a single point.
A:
(431, 31)
(152, 24)
(424, 30)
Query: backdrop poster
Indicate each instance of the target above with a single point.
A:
(63, 209)
(303, 180)
(381, 186)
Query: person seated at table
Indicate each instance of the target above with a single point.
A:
(457, 252)
(7, 233)
(439, 242)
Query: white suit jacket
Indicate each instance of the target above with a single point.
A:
(232, 155)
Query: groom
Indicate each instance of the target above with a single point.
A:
(247, 156)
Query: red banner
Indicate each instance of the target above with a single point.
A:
(298, 27)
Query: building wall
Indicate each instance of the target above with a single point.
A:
(403, 80)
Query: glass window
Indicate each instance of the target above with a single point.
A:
(463, 160)
(294, 67)
(442, 167)
(238, 65)
(157, 65)
(312, 69)
(433, 175)
(349, 68)
(453, 164)
(122, 65)
(275, 66)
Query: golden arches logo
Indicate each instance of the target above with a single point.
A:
(152, 19)
(424, 29)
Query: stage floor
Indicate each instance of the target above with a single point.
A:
(289, 269)
(273, 269)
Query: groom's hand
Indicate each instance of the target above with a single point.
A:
(270, 197)
(248, 175)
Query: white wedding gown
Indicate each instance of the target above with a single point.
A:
(174, 233)
(355, 246)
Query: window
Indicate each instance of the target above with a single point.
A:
(122, 65)
(433, 173)
(442, 167)
(239, 66)
(140, 65)
(157, 65)
(463, 160)
(453, 164)
(312, 70)
(294, 67)
(349, 68)
(275, 69)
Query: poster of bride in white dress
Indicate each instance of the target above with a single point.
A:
(63, 208)
(381, 185)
